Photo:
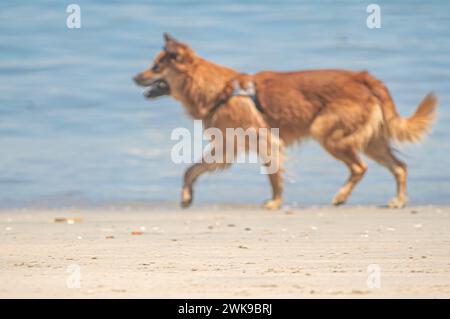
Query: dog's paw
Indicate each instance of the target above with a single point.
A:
(339, 199)
(186, 198)
(397, 203)
(272, 204)
(186, 203)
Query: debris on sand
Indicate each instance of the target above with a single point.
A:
(136, 233)
(118, 290)
(70, 221)
(109, 237)
(365, 234)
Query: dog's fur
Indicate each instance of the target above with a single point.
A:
(347, 112)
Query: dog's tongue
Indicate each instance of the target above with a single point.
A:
(159, 88)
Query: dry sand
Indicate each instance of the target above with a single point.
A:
(225, 252)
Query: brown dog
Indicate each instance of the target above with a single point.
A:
(346, 112)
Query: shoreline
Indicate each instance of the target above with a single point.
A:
(150, 251)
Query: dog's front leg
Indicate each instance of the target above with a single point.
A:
(191, 175)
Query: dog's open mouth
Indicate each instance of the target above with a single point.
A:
(156, 89)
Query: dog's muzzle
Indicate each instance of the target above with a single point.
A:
(154, 88)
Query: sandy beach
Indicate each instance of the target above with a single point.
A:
(230, 252)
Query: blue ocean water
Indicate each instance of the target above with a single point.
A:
(75, 129)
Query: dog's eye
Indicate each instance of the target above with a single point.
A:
(172, 55)
(155, 68)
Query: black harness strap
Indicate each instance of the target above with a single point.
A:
(257, 103)
(238, 91)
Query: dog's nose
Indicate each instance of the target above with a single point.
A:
(137, 78)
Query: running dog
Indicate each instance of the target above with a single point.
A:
(346, 112)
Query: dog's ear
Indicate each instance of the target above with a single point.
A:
(168, 38)
(172, 46)
(177, 50)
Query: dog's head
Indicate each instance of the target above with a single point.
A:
(173, 60)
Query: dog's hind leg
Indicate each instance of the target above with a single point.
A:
(270, 151)
(355, 165)
(380, 151)
(276, 181)
(191, 175)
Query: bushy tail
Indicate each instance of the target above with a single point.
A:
(414, 128)
(409, 129)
